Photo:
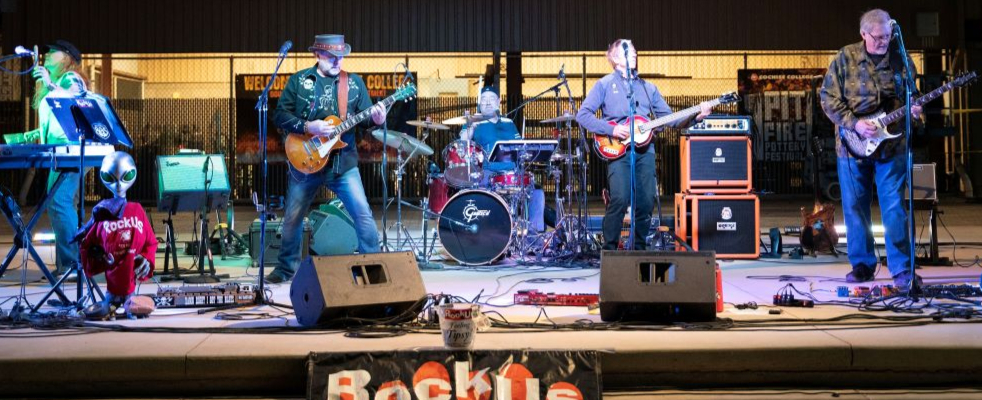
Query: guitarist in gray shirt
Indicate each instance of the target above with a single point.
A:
(863, 79)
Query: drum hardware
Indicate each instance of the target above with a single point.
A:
(520, 188)
(566, 117)
(402, 143)
(428, 124)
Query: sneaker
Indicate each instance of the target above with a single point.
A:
(860, 274)
(276, 278)
(902, 280)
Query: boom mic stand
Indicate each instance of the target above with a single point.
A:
(262, 105)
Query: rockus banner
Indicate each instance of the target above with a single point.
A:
(462, 375)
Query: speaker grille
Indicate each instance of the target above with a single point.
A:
(727, 226)
(724, 160)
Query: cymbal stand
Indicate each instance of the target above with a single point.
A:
(399, 226)
(520, 209)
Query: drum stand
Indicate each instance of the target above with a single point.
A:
(399, 227)
(523, 241)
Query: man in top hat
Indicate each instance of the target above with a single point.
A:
(310, 96)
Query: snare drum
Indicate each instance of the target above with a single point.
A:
(464, 161)
(509, 182)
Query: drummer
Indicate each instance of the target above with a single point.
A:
(490, 130)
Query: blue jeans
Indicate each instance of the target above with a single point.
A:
(63, 212)
(856, 178)
(619, 184)
(303, 188)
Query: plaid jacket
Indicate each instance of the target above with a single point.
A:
(854, 87)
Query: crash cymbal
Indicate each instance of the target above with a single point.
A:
(464, 119)
(402, 142)
(562, 118)
(428, 125)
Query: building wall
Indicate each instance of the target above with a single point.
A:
(181, 26)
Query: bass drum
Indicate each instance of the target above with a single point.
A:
(475, 227)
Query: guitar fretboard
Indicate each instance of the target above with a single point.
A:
(358, 118)
(927, 98)
(676, 116)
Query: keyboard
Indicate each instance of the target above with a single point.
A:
(59, 157)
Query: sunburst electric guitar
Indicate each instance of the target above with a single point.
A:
(611, 148)
(863, 147)
(309, 154)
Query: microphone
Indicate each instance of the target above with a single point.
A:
(562, 72)
(286, 47)
(23, 52)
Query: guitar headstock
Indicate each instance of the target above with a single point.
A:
(405, 92)
(963, 79)
(729, 97)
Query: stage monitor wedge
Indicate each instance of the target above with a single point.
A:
(357, 289)
(657, 286)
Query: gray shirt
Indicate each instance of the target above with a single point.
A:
(609, 95)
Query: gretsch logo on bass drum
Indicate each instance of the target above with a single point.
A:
(471, 212)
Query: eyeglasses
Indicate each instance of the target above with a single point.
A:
(880, 38)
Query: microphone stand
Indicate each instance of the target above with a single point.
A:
(908, 134)
(630, 121)
(262, 105)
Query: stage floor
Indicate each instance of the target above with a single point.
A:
(183, 353)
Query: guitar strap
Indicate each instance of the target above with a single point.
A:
(343, 95)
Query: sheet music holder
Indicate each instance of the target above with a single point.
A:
(537, 150)
(97, 117)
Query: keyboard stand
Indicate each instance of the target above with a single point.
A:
(23, 234)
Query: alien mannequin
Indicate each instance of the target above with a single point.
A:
(118, 240)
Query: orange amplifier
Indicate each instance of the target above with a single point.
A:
(727, 224)
(716, 164)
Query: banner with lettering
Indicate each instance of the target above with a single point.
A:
(444, 374)
(786, 109)
(248, 87)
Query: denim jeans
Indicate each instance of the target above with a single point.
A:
(302, 190)
(63, 213)
(856, 178)
(619, 184)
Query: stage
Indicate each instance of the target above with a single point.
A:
(178, 352)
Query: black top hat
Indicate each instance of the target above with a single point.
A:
(67, 48)
(333, 44)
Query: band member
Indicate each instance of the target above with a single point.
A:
(60, 76)
(862, 79)
(609, 96)
(119, 239)
(487, 133)
(310, 96)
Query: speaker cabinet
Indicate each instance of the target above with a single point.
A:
(333, 232)
(186, 182)
(657, 286)
(352, 289)
(716, 164)
(726, 224)
(925, 184)
(274, 239)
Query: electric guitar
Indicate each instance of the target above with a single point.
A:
(309, 154)
(612, 148)
(863, 147)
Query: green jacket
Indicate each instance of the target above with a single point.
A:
(308, 96)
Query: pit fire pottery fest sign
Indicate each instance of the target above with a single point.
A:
(461, 375)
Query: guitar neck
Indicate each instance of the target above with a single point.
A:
(677, 116)
(927, 98)
(358, 118)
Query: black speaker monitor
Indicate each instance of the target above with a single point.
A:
(357, 289)
(657, 286)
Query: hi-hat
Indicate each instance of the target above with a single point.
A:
(402, 142)
(428, 125)
(464, 119)
(562, 118)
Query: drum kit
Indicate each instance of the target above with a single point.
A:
(483, 215)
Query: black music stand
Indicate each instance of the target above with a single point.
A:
(197, 183)
(87, 116)
(539, 151)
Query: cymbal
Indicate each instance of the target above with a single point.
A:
(403, 142)
(428, 125)
(562, 118)
(464, 119)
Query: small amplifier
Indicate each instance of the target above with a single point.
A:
(721, 125)
(716, 164)
(726, 224)
(925, 186)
